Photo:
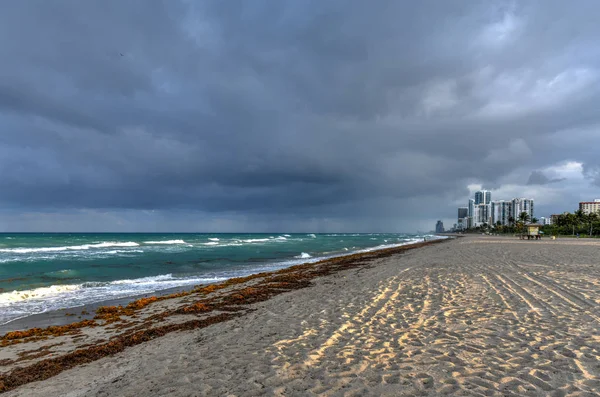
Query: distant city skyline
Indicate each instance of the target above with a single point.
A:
(505, 211)
(483, 210)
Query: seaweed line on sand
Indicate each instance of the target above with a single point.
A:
(225, 307)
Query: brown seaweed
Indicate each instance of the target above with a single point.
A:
(295, 277)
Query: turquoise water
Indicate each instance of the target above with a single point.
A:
(42, 272)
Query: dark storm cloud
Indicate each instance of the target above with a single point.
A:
(538, 178)
(352, 110)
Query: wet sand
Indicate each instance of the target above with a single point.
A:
(68, 315)
(482, 316)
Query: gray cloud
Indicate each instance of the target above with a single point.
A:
(538, 178)
(283, 111)
(592, 172)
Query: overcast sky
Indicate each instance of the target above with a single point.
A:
(292, 115)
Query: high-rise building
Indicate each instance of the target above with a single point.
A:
(474, 219)
(471, 209)
(520, 205)
(501, 211)
(463, 218)
(481, 215)
(590, 206)
(484, 214)
(439, 227)
(483, 197)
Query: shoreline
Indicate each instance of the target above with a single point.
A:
(69, 315)
(480, 315)
(47, 352)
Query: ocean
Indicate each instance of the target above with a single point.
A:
(49, 271)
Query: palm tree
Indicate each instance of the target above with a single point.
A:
(591, 218)
(564, 220)
(561, 220)
(580, 216)
(571, 220)
(524, 217)
(534, 220)
(511, 223)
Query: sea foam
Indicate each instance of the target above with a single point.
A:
(256, 240)
(166, 242)
(83, 247)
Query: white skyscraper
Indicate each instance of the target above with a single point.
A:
(475, 217)
(501, 211)
(520, 205)
(481, 215)
(484, 213)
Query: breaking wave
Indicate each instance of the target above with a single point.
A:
(16, 304)
(83, 247)
(166, 242)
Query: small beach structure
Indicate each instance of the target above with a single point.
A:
(531, 231)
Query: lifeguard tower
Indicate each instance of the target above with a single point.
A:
(531, 231)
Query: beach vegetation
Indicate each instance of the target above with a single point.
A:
(575, 224)
(524, 218)
(569, 224)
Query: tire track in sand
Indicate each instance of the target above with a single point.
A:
(502, 297)
(378, 336)
(378, 304)
(565, 295)
(526, 296)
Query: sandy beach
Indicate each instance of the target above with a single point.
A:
(477, 316)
